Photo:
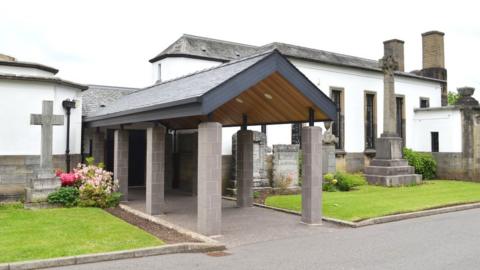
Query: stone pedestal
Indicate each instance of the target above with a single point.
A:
(41, 186)
(388, 168)
(329, 163)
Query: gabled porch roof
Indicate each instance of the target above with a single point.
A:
(266, 88)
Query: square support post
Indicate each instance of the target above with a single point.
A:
(98, 146)
(155, 171)
(209, 206)
(120, 161)
(312, 175)
(244, 168)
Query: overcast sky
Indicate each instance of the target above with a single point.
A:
(110, 42)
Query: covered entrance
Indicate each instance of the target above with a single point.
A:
(260, 89)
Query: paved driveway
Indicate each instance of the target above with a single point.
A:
(448, 241)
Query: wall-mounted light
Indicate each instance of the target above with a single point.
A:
(268, 96)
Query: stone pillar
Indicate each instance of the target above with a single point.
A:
(312, 175)
(209, 206)
(244, 168)
(98, 146)
(389, 65)
(329, 141)
(155, 171)
(120, 161)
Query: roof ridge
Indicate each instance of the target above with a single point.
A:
(113, 86)
(208, 69)
(219, 40)
(318, 50)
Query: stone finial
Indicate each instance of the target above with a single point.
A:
(328, 136)
(466, 96)
(388, 64)
(7, 58)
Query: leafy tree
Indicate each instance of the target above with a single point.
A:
(452, 98)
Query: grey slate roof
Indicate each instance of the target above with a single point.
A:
(202, 47)
(321, 56)
(98, 95)
(224, 51)
(179, 89)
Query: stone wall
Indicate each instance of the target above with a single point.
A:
(19, 169)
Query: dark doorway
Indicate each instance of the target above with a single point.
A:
(137, 154)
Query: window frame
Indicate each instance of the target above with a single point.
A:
(374, 119)
(341, 116)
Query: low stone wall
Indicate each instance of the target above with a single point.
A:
(19, 169)
(454, 166)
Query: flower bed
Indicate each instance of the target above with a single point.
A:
(87, 185)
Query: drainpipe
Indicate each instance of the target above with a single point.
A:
(68, 105)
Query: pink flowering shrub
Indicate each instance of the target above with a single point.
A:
(96, 186)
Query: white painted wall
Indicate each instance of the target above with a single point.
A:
(354, 82)
(22, 98)
(25, 71)
(174, 67)
(448, 124)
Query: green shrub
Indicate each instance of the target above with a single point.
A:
(423, 163)
(346, 181)
(342, 181)
(66, 196)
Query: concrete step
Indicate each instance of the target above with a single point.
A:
(383, 170)
(394, 180)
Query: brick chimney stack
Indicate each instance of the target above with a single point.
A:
(433, 50)
(394, 47)
(433, 56)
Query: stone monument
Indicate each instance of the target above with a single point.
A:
(388, 168)
(285, 167)
(44, 181)
(329, 142)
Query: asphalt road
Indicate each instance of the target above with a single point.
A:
(448, 241)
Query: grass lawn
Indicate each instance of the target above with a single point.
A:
(48, 233)
(375, 201)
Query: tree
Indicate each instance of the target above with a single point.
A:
(452, 98)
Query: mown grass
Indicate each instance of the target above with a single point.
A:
(374, 201)
(48, 233)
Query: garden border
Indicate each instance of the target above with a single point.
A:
(384, 219)
(206, 244)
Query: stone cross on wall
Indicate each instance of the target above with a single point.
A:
(389, 65)
(47, 120)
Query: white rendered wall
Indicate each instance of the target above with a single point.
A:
(448, 124)
(22, 98)
(355, 82)
(25, 71)
(174, 67)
